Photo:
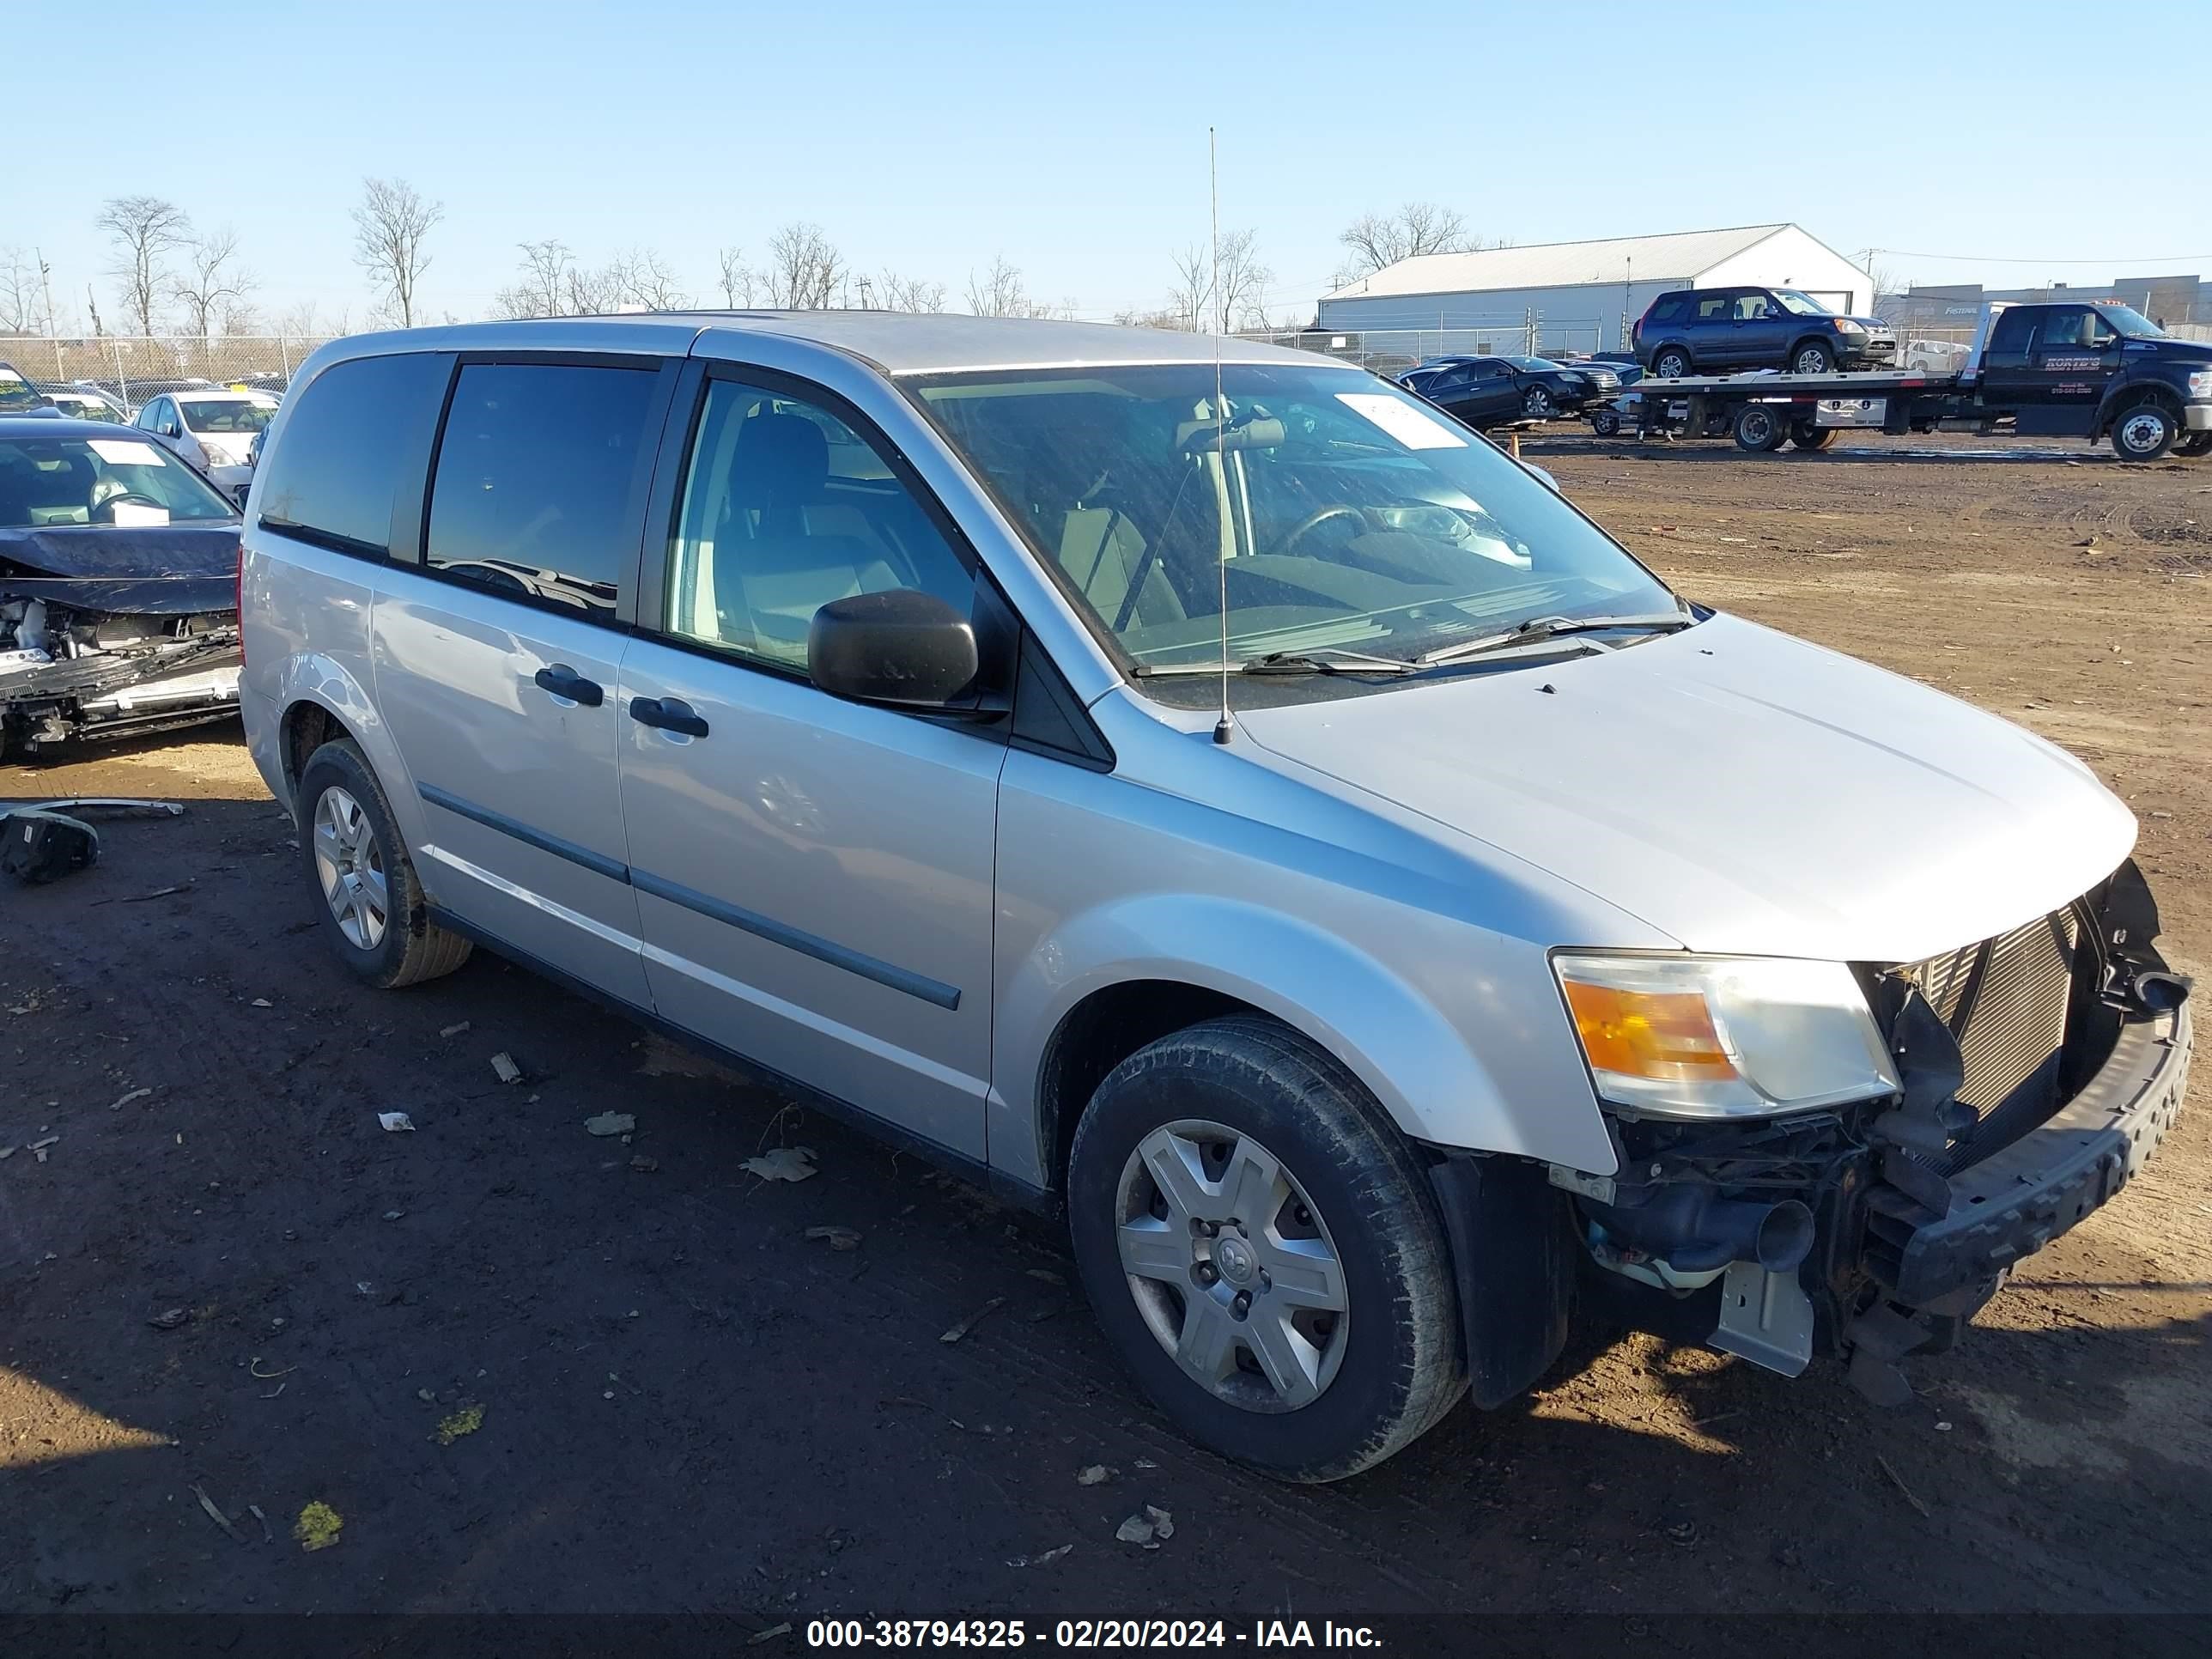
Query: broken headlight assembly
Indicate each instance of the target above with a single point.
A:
(1707, 1037)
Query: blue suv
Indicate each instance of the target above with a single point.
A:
(1712, 330)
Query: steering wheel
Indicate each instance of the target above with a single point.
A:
(104, 513)
(1314, 520)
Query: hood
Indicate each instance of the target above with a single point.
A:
(1738, 790)
(166, 571)
(2175, 351)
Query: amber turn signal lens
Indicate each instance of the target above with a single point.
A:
(1664, 1035)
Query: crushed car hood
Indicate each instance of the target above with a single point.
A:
(163, 570)
(1737, 789)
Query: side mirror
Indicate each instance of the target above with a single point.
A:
(901, 647)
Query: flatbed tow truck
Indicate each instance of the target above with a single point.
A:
(2086, 370)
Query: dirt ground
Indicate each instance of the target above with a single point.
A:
(686, 1404)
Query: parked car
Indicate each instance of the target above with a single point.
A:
(213, 430)
(1715, 330)
(833, 691)
(17, 395)
(118, 565)
(1491, 390)
(81, 403)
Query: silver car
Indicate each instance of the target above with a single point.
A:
(1222, 798)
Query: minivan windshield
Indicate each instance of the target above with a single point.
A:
(1803, 304)
(1332, 508)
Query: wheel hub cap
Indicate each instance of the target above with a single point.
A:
(349, 864)
(1232, 1266)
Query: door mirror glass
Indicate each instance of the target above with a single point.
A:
(900, 646)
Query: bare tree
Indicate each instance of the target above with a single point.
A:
(1172, 318)
(804, 269)
(214, 285)
(642, 277)
(740, 282)
(304, 320)
(1377, 239)
(1240, 283)
(898, 293)
(20, 308)
(389, 226)
(1194, 282)
(144, 231)
(541, 289)
(999, 292)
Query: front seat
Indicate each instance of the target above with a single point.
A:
(781, 567)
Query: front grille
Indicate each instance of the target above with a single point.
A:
(2005, 1000)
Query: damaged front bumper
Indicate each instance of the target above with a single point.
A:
(2040, 1071)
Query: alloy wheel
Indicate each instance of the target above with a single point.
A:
(350, 866)
(1232, 1266)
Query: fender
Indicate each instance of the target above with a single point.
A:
(1414, 1058)
(2128, 388)
(316, 678)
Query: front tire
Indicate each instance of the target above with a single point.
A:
(2144, 433)
(1811, 357)
(1264, 1252)
(1536, 404)
(367, 895)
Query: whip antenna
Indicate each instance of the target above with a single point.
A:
(1226, 723)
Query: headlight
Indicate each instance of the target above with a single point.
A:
(1845, 325)
(2200, 383)
(1723, 1037)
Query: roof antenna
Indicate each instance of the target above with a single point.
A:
(1226, 725)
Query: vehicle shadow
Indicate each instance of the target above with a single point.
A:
(532, 1368)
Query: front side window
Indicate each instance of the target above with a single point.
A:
(2065, 328)
(330, 473)
(123, 480)
(1340, 512)
(1751, 308)
(540, 479)
(229, 415)
(786, 507)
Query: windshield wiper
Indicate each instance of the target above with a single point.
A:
(1538, 629)
(1321, 660)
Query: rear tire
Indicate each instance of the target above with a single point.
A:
(1806, 436)
(1242, 1114)
(2144, 432)
(1758, 428)
(1670, 363)
(1811, 357)
(367, 896)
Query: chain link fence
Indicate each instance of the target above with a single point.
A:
(133, 369)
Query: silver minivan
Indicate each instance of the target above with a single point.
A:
(1202, 788)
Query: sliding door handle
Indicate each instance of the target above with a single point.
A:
(667, 714)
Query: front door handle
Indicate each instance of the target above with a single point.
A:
(667, 714)
(564, 681)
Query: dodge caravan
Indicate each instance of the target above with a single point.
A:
(1222, 799)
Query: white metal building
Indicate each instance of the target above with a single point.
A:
(1587, 294)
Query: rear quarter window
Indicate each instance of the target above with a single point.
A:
(332, 474)
(1668, 308)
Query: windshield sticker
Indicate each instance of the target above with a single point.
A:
(1411, 427)
(137, 514)
(123, 452)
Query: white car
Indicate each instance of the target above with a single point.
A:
(213, 430)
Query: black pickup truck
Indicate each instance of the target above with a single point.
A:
(2090, 371)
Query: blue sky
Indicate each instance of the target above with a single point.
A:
(1072, 137)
